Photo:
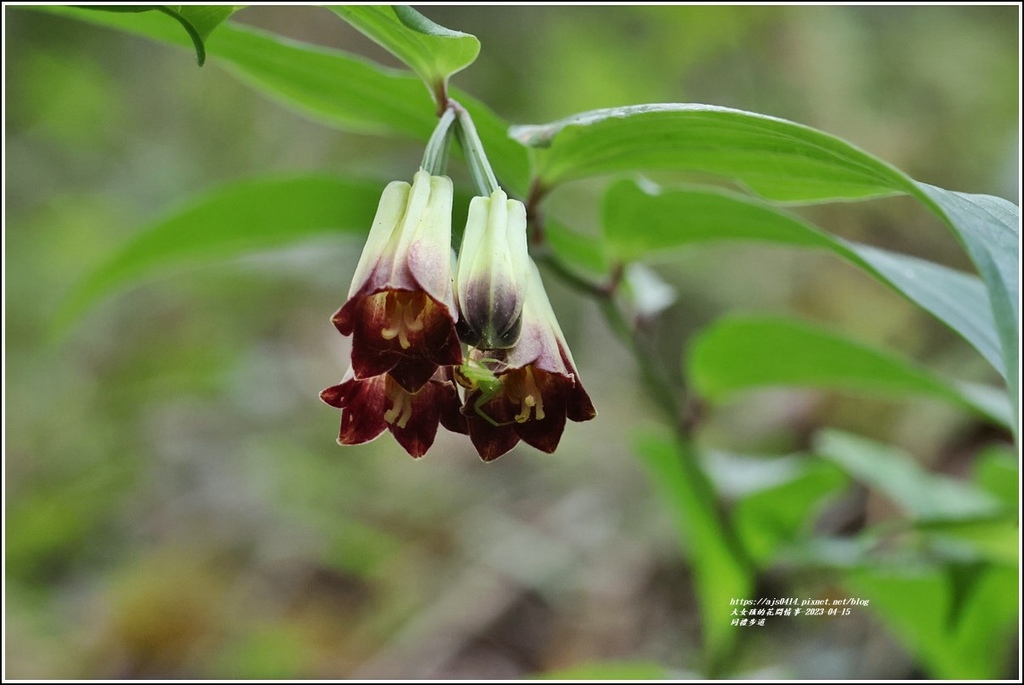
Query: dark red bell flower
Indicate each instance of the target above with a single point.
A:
(539, 385)
(401, 307)
(370, 405)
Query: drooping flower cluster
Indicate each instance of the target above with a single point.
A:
(409, 311)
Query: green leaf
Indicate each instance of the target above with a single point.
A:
(609, 670)
(782, 161)
(205, 18)
(777, 515)
(918, 605)
(740, 353)
(720, 570)
(432, 51)
(329, 86)
(997, 471)
(673, 219)
(995, 541)
(989, 228)
(228, 222)
(776, 158)
(197, 20)
(893, 472)
(573, 248)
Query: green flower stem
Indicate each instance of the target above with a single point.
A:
(435, 156)
(473, 149)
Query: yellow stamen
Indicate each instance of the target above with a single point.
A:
(528, 396)
(401, 403)
(404, 313)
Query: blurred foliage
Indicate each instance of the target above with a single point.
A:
(175, 503)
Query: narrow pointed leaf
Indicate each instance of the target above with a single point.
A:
(742, 353)
(894, 473)
(680, 217)
(989, 228)
(228, 222)
(776, 158)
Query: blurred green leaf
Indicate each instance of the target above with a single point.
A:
(197, 20)
(777, 515)
(776, 158)
(740, 353)
(917, 604)
(584, 252)
(997, 471)
(330, 86)
(673, 219)
(228, 222)
(719, 568)
(893, 472)
(989, 228)
(996, 541)
(430, 50)
(609, 670)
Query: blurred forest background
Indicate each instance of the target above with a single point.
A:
(176, 505)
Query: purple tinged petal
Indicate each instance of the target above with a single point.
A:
(392, 207)
(428, 254)
(492, 272)
(542, 340)
(540, 386)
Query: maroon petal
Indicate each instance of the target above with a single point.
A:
(543, 427)
(441, 345)
(433, 336)
(363, 404)
(337, 395)
(372, 354)
(411, 373)
(344, 319)
(406, 334)
(451, 405)
(490, 441)
(416, 431)
(578, 406)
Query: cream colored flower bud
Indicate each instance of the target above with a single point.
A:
(493, 272)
